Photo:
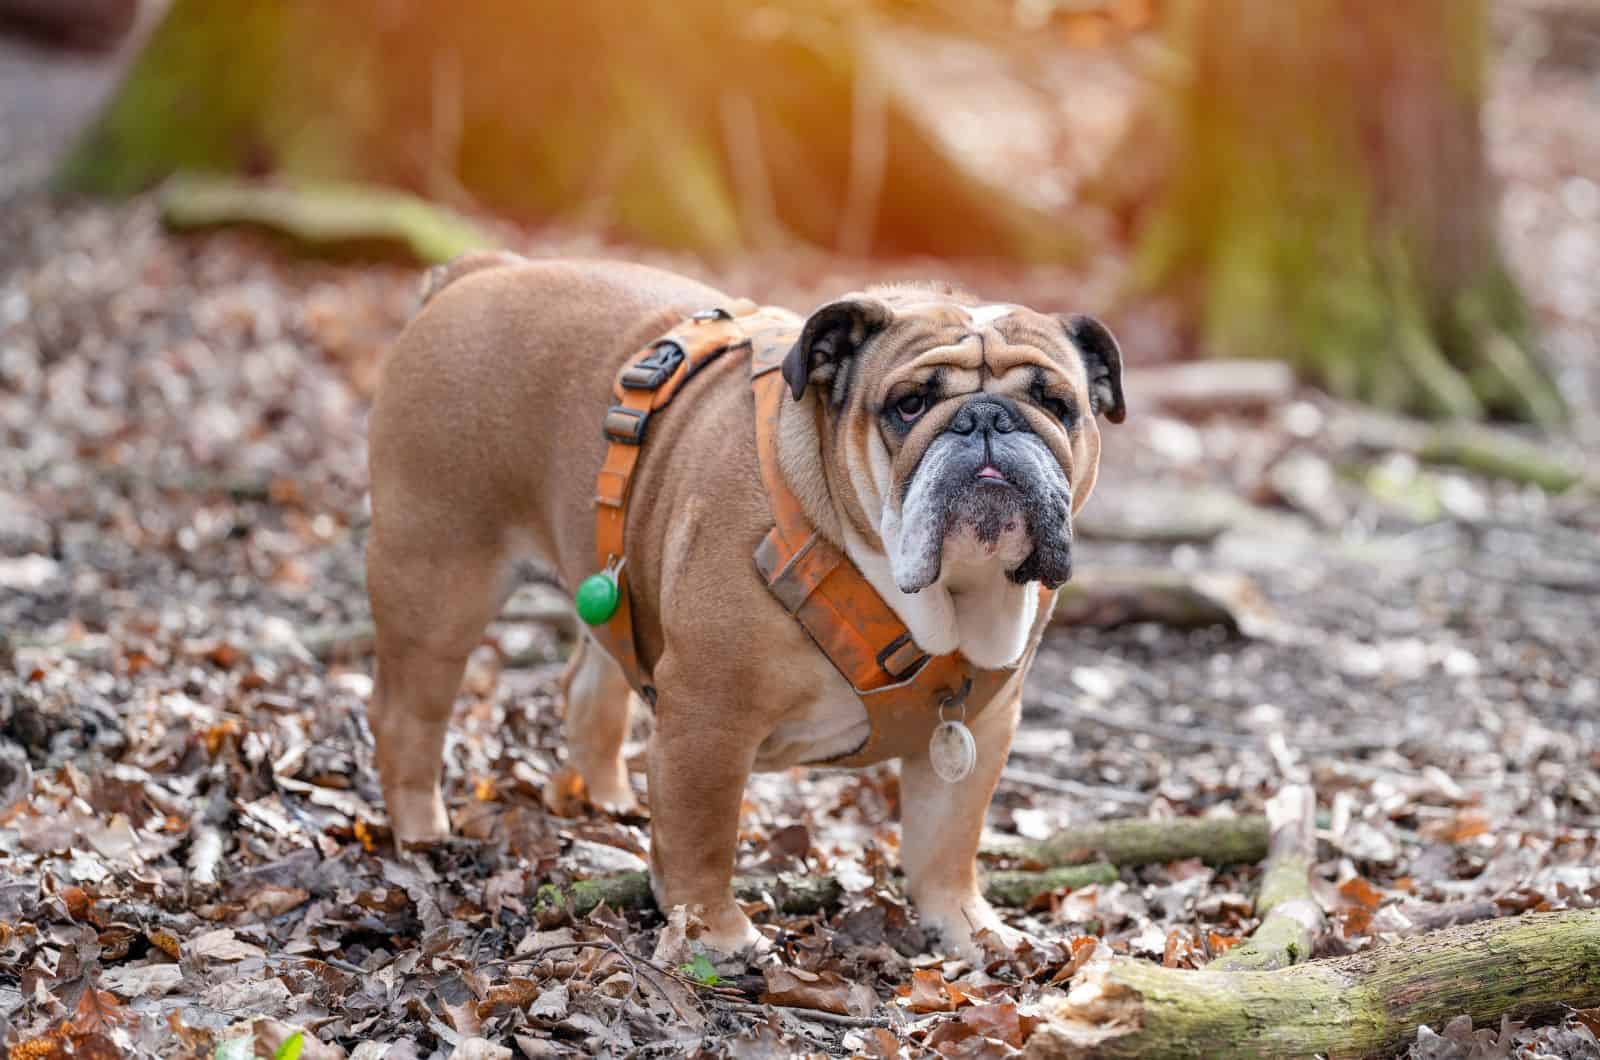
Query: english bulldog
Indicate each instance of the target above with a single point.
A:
(943, 443)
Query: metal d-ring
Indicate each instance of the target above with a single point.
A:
(957, 699)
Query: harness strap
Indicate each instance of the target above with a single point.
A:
(645, 384)
(902, 687)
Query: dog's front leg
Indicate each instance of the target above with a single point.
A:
(940, 827)
(700, 761)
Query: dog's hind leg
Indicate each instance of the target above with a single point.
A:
(598, 703)
(430, 610)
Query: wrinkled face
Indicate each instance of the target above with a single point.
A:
(962, 436)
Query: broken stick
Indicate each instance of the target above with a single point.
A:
(1291, 920)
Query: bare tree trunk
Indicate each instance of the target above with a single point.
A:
(1329, 203)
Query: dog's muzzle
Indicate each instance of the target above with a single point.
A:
(991, 483)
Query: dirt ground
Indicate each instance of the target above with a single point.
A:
(192, 847)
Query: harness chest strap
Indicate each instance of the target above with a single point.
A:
(900, 686)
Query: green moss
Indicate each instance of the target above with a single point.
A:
(1216, 840)
(1020, 888)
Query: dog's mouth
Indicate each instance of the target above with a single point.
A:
(999, 502)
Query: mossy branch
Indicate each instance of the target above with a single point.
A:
(1216, 840)
(794, 895)
(323, 216)
(1365, 1004)
(1291, 920)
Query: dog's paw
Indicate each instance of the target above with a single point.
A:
(730, 941)
(970, 928)
(418, 818)
(621, 804)
(570, 793)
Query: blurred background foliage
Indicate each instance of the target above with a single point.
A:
(1298, 180)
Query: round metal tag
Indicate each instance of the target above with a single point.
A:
(952, 751)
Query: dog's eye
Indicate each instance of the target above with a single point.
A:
(911, 406)
(1061, 410)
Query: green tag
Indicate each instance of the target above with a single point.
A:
(597, 598)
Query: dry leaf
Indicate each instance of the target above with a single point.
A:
(996, 1020)
(1468, 824)
(927, 993)
(514, 993)
(826, 991)
(1360, 894)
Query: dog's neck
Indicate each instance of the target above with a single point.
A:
(974, 609)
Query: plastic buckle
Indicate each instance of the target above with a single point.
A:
(626, 426)
(653, 371)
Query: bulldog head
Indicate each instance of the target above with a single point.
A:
(962, 436)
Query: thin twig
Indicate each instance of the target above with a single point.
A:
(634, 964)
(810, 1014)
(1045, 782)
(1206, 736)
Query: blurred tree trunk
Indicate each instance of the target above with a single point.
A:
(709, 124)
(1328, 202)
(87, 25)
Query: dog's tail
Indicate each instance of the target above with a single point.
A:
(441, 276)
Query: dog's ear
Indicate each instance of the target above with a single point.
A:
(832, 335)
(1102, 360)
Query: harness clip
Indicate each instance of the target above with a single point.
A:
(653, 371)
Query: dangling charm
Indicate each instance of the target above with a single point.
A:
(952, 751)
(598, 596)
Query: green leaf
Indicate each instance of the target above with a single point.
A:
(236, 1049)
(700, 970)
(290, 1049)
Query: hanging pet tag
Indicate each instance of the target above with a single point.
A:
(953, 751)
(598, 596)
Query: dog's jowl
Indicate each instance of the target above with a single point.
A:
(833, 540)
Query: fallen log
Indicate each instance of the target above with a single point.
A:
(323, 216)
(793, 895)
(1075, 857)
(1478, 448)
(1291, 920)
(1114, 597)
(1205, 388)
(1216, 840)
(1529, 967)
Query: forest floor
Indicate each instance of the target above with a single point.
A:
(191, 839)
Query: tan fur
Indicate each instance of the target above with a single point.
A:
(485, 442)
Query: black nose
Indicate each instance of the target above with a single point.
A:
(985, 415)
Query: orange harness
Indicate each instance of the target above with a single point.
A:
(903, 689)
